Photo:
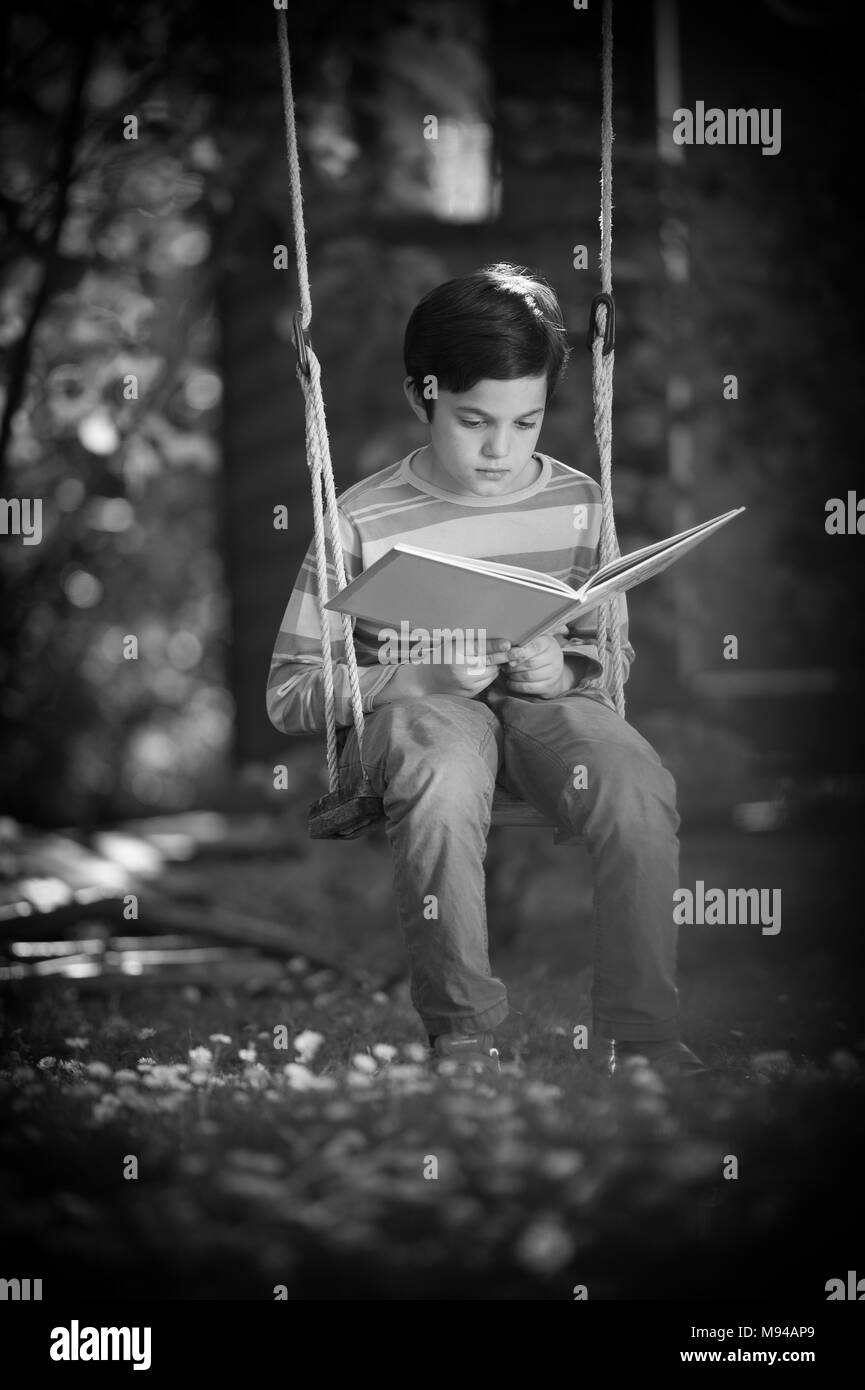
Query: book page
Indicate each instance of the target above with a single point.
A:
(516, 572)
(677, 544)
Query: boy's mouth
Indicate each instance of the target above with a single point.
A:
(492, 472)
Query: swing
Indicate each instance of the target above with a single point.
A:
(344, 813)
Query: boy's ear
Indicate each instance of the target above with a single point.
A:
(414, 400)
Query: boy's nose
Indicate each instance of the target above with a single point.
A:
(496, 448)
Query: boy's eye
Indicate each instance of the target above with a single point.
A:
(521, 424)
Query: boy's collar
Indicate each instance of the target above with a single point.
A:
(467, 499)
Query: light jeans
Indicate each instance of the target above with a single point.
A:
(435, 761)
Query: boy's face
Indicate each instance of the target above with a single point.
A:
(482, 440)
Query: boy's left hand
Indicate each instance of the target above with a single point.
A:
(537, 668)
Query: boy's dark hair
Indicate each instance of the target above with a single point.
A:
(501, 322)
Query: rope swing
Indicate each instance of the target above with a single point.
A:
(602, 345)
(338, 815)
(333, 815)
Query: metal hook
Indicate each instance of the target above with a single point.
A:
(609, 326)
(302, 341)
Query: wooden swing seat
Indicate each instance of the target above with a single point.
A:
(344, 815)
(509, 810)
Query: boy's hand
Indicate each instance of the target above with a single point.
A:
(468, 678)
(482, 665)
(538, 668)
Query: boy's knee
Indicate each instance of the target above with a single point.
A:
(428, 728)
(451, 787)
(630, 780)
(457, 767)
(444, 755)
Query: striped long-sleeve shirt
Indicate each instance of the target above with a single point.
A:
(552, 526)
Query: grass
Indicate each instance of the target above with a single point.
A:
(136, 1165)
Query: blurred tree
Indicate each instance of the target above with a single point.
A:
(118, 178)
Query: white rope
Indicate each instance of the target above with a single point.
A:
(318, 449)
(294, 171)
(315, 466)
(602, 379)
(321, 450)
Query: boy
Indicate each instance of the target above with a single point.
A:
(438, 737)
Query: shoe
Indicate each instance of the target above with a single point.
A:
(669, 1058)
(461, 1054)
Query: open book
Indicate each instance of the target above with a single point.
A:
(437, 592)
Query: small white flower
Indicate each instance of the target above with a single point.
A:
(384, 1052)
(144, 1062)
(306, 1044)
(648, 1104)
(540, 1092)
(644, 1078)
(416, 1052)
(124, 1075)
(405, 1073)
(144, 1033)
(340, 1110)
(302, 1079)
(75, 1042)
(199, 1078)
(170, 1101)
(46, 1063)
(379, 997)
(222, 1038)
(98, 1070)
(362, 1062)
(299, 1078)
(544, 1246)
(169, 1076)
(201, 1056)
(248, 1054)
(130, 1095)
(561, 1163)
(344, 1143)
(105, 1108)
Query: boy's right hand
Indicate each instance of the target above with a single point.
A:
(480, 669)
(468, 678)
